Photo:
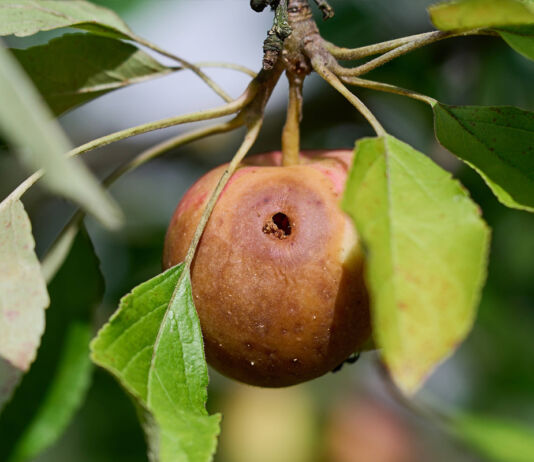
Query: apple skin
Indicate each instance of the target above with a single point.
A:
(276, 308)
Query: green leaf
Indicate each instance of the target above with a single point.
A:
(23, 297)
(77, 68)
(474, 14)
(27, 17)
(498, 440)
(498, 142)
(28, 124)
(512, 19)
(427, 254)
(153, 345)
(57, 382)
(521, 39)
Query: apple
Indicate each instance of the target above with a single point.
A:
(278, 274)
(365, 429)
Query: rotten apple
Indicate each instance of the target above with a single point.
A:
(278, 275)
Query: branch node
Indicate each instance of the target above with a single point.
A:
(281, 30)
(271, 50)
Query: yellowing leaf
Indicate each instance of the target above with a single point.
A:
(473, 14)
(427, 250)
(23, 297)
(56, 385)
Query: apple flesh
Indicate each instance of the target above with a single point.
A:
(278, 275)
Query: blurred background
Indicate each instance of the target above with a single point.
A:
(350, 416)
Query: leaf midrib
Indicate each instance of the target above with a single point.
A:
(392, 246)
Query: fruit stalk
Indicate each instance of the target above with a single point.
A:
(291, 133)
(252, 117)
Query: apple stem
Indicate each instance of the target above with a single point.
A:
(291, 133)
(251, 116)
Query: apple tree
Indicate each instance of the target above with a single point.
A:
(268, 301)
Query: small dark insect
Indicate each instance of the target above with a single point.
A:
(260, 5)
(350, 360)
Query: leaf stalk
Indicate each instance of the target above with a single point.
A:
(394, 49)
(386, 87)
(336, 83)
(57, 253)
(186, 64)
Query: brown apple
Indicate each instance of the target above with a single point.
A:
(368, 430)
(278, 275)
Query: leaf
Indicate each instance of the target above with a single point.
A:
(521, 39)
(57, 383)
(498, 142)
(77, 68)
(474, 14)
(427, 253)
(28, 124)
(23, 297)
(498, 440)
(153, 346)
(512, 19)
(27, 17)
(9, 379)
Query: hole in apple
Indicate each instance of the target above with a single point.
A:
(279, 226)
(281, 220)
